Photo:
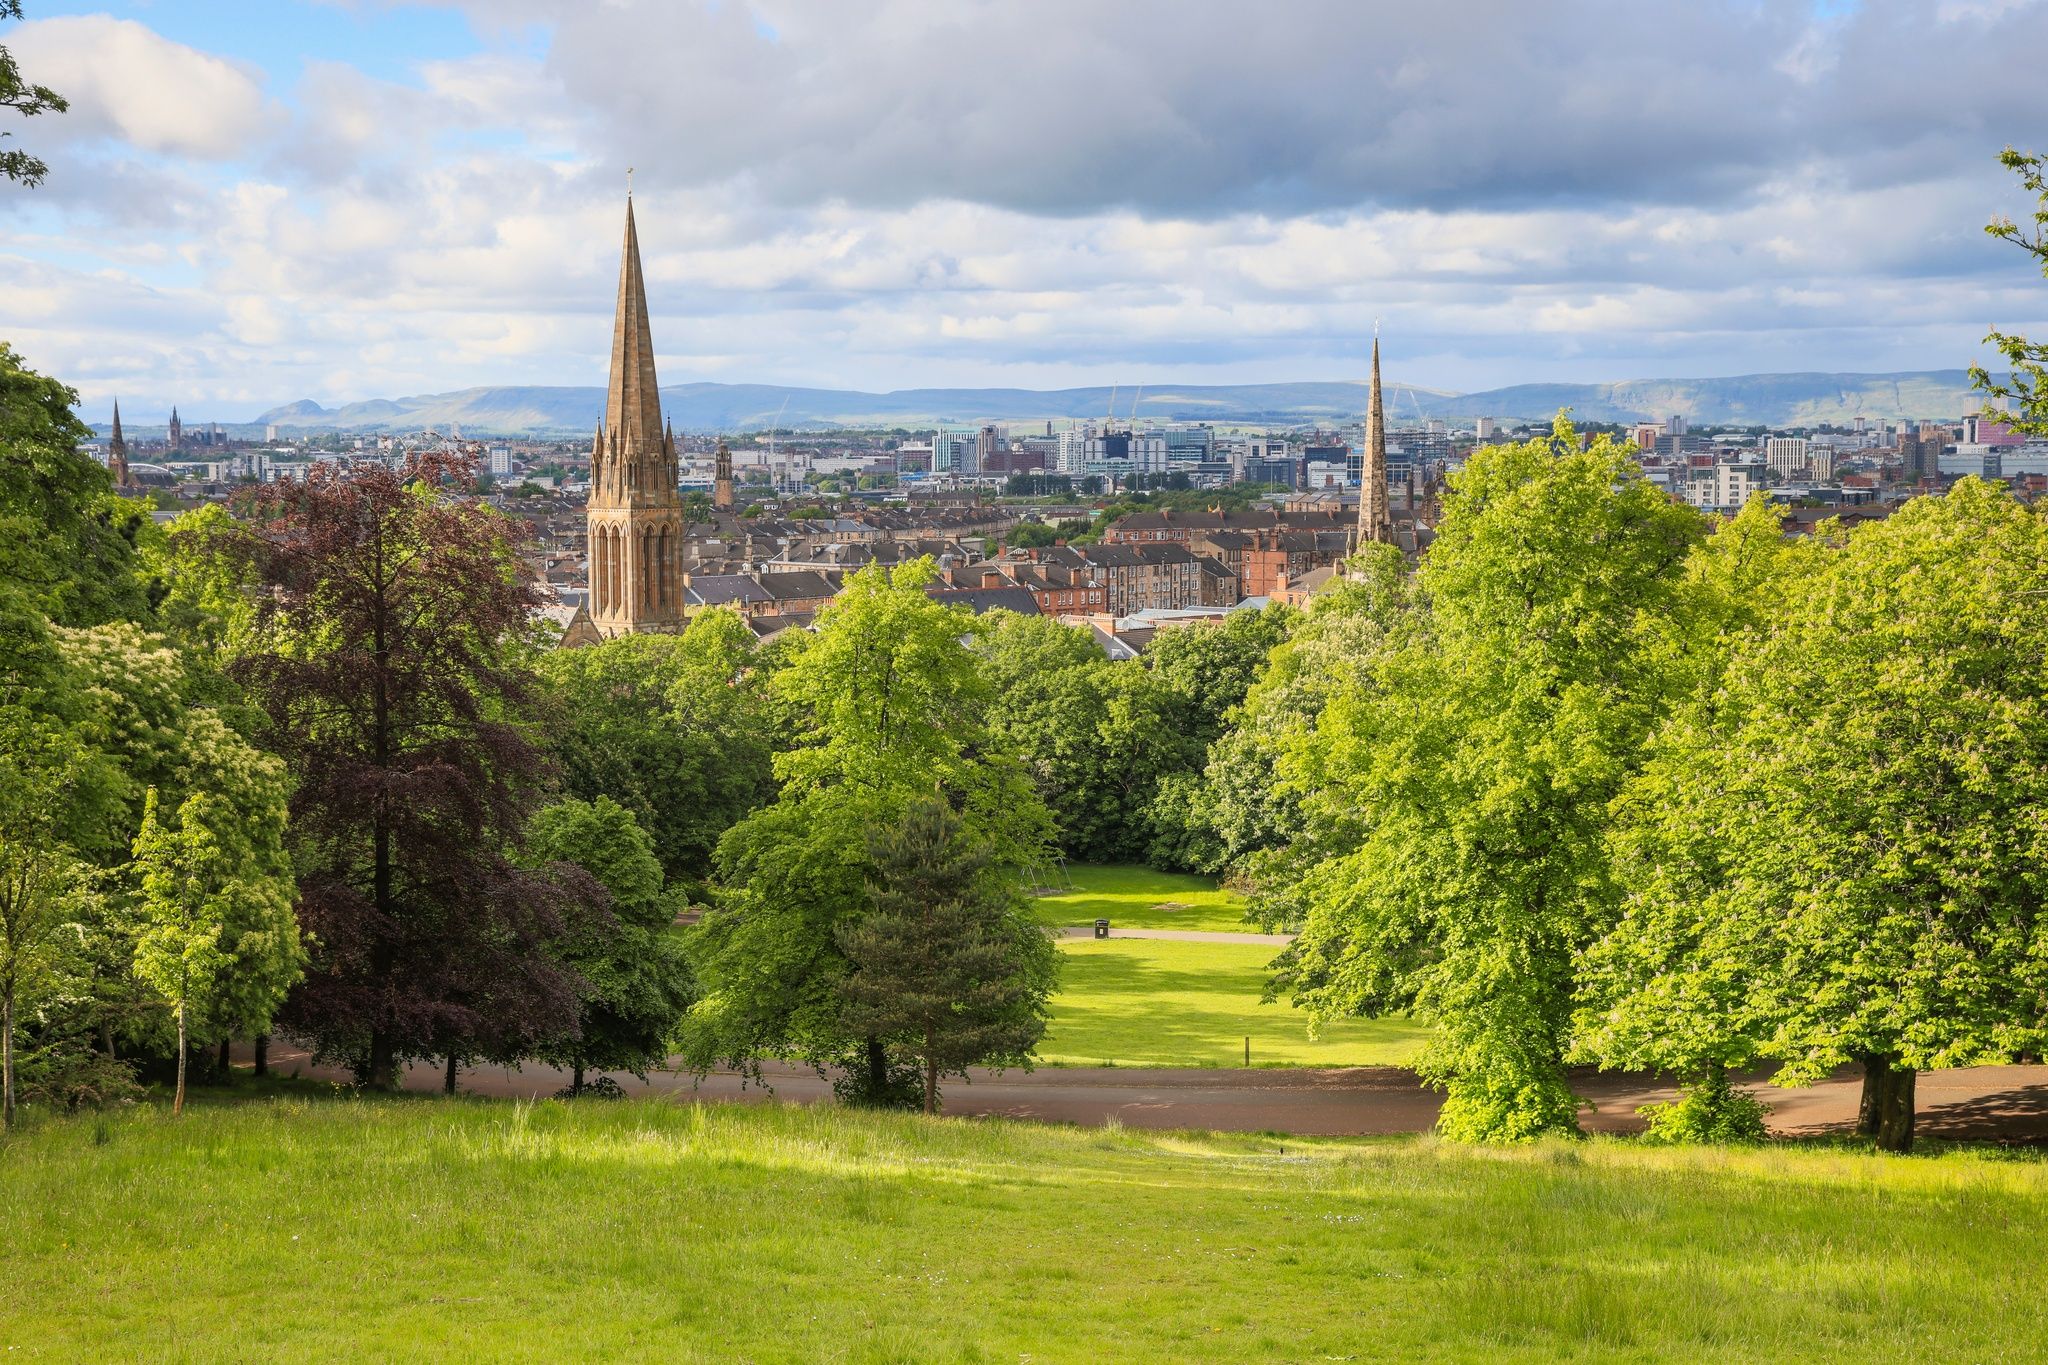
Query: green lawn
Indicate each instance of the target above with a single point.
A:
(1154, 1002)
(1135, 897)
(482, 1230)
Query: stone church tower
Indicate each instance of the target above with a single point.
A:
(1375, 516)
(721, 479)
(117, 454)
(635, 510)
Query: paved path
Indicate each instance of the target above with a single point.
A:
(2003, 1103)
(1181, 935)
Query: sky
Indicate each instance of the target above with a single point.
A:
(256, 201)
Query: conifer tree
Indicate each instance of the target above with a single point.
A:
(948, 968)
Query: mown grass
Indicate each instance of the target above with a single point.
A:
(484, 1230)
(1134, 897)
(1158, 1002)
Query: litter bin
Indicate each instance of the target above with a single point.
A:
(1102, 928)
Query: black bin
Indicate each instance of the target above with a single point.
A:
(1102, 928)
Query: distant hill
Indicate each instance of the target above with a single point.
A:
(1764, 399)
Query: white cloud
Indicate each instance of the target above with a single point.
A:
(124, 80)
(1064, 193)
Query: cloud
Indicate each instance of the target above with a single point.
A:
(126, 81)
(1074, 106)
(898, 194)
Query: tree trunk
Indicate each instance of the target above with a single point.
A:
(7, 1062)
(878, 1071)
(178, 1099)
(107, 1035)
(1885, 1112)
(1875, 1070)
(576, 1079)
(931, 1074)
(1895, 1124)
(448, 1085)
(262, 1054)
(382, 1071)
(225, 1063)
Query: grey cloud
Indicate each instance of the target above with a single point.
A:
(1075, 106)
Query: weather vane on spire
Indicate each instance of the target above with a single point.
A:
(629, 182)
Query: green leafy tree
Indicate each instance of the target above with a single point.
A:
(1204, 673)
(891, 706)
(58, 790)
(65, 540)
(1842, 862)
(1462, 784)
(214, 895)
(636, 980)
(678, 729)
(1255, 809)
(39, 893)
(26, 100)
(949, 968)
(2026, 383)
(1116, 750)
(1665, 988)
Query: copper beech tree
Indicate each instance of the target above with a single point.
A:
(390, 655)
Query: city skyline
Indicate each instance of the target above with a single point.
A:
(363, 200)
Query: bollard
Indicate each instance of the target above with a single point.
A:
(1247, 1050)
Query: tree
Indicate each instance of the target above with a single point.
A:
(65, 540)
(2026, 384)
(949, 968)
(1205, 673)
(57, 787)
(1842, 862)
(390, 656)
(636, 979)
(26, 100)
(214, 894)
(1460, 785)
(38, 890)
(1661, 990)
(1117, 749)
(1255, 811)
(678, 729)
(891, 708)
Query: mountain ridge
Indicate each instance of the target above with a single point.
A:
(1758, 399)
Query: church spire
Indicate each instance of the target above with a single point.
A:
(117, 451)
(632, 410)
(635, 511)
(1375, 518)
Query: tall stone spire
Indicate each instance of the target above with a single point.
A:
(175, 437)
(1375, 518)
(635, 514)
(632, 410)
(117, 452)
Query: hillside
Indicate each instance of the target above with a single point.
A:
(1766, 399)
(301, 1228)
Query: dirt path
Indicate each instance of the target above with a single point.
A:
(1183, 935)
(2001, 1103)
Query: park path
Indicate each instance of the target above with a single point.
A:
(1182, 935)
(1989, 1103)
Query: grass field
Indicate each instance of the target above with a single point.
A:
(1154, 1002)
(483, 1230)
(1133, 897)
